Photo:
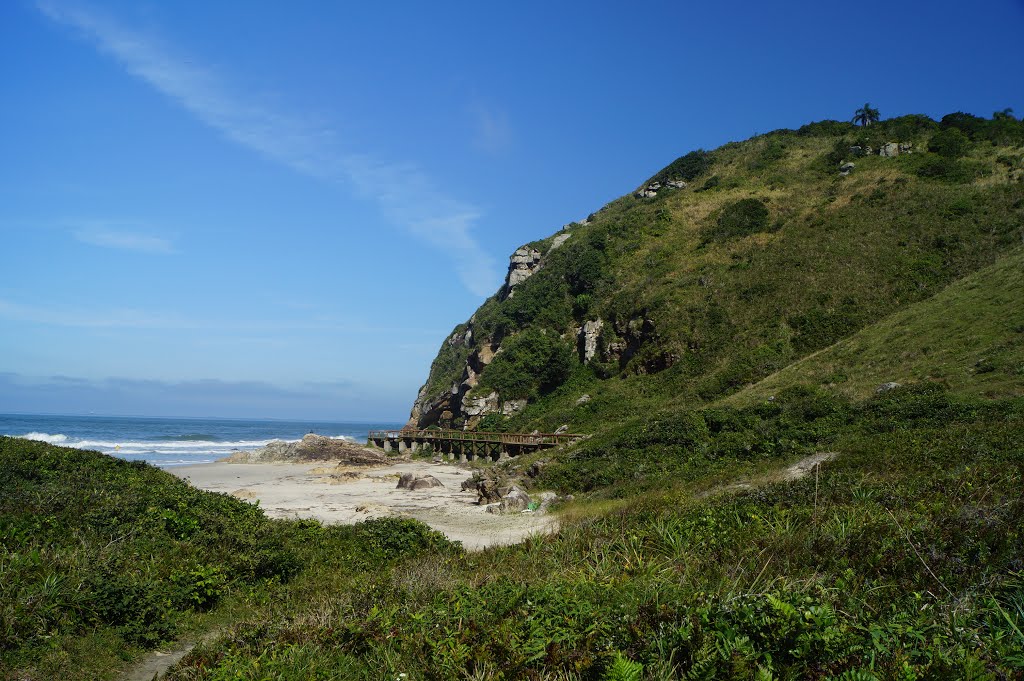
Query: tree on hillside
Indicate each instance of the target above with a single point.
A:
(866, 115)
(1004, 115)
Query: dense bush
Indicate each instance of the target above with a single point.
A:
(584, 268)
(737, 219)
(93, 540)
(773, 151)
(826, 129)
(819, 327)
(688, 167)
(949, 143)
(92, 543)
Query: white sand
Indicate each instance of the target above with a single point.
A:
(292, 490)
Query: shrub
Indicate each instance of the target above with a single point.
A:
(688, 167)
(969, 124)
(584, 270)
(826, 129)
(774, 150)
(934, 167)
(949, 143)
(392, 538)
(530, 364)
(741, 218)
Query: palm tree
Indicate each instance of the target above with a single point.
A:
(866, 115)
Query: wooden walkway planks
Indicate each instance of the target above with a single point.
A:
(468, 444)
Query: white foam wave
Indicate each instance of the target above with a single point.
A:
(46, 437)
(171, 445)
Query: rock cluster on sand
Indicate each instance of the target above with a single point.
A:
(507, 497)
(312, 448)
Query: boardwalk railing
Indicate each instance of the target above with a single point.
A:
(468, 444)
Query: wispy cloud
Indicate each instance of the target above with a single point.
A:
(123, 240)
(403, 192)
(201, 396)
(125, 318)
(493, 132)
(236, 330)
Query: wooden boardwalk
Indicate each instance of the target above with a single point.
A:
(466, 445)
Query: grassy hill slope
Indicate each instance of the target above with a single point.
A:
(969, 336)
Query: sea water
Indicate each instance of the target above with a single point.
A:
(173, 441)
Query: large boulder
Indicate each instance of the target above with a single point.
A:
(412, 482)
(515, 500)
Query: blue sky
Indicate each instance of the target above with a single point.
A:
(281, 209)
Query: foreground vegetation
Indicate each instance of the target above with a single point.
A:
(899, 559)
(102, 558)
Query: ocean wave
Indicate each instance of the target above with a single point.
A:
(188, 437)
(187, 445)
(45, 437)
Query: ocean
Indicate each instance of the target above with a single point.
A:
(171, 441)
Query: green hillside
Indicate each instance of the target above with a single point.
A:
(767, 255)
(748, 505)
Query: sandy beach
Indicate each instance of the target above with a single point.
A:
(356, 493)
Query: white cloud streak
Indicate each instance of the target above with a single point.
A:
(134, 318)
(404, 194)
(125, 241)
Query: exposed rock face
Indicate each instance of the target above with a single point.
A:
(312, 448)
(442, 409)
(846, 168)
(893, 149)
(478, 406)
(559, 240)
(886, 387)
(630, 336)
(512, 407)
(588, 339)
(889, 149)
(523, 263)
(651, 189)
